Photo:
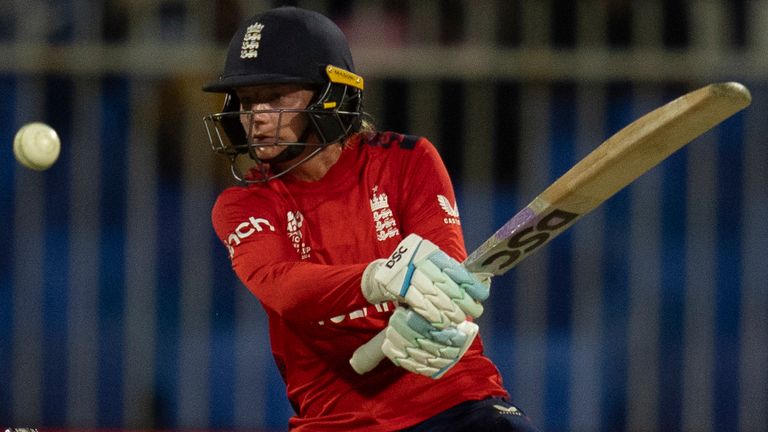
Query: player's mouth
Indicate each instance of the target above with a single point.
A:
(264, 139)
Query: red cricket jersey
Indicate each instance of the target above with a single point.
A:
(301, 247)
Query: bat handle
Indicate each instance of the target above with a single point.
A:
(369, 354)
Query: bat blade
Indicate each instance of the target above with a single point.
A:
(610, 167)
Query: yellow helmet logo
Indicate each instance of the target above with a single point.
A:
(341, 76)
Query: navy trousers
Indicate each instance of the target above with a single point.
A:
(487, 415)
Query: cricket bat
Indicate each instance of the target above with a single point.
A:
(610, 167)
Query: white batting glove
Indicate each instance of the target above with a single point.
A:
(413, 344)
(434, 285)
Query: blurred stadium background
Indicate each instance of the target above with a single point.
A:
(118, 308)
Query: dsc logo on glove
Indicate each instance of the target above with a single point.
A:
(396, 256)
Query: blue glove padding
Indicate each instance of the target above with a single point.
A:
(415, 345)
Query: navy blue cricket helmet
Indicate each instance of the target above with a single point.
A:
(288, 45)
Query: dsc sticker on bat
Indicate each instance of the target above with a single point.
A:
(525, 233)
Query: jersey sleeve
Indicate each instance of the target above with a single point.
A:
(428, 201)
(270, 267)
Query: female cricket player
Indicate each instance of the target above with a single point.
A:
(341, 231)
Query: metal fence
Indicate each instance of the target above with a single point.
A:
(118, 308)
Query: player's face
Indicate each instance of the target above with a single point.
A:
(268, 124)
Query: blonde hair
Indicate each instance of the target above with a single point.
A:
(366, 125)
(367, 128)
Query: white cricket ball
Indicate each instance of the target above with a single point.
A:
(36, 146)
